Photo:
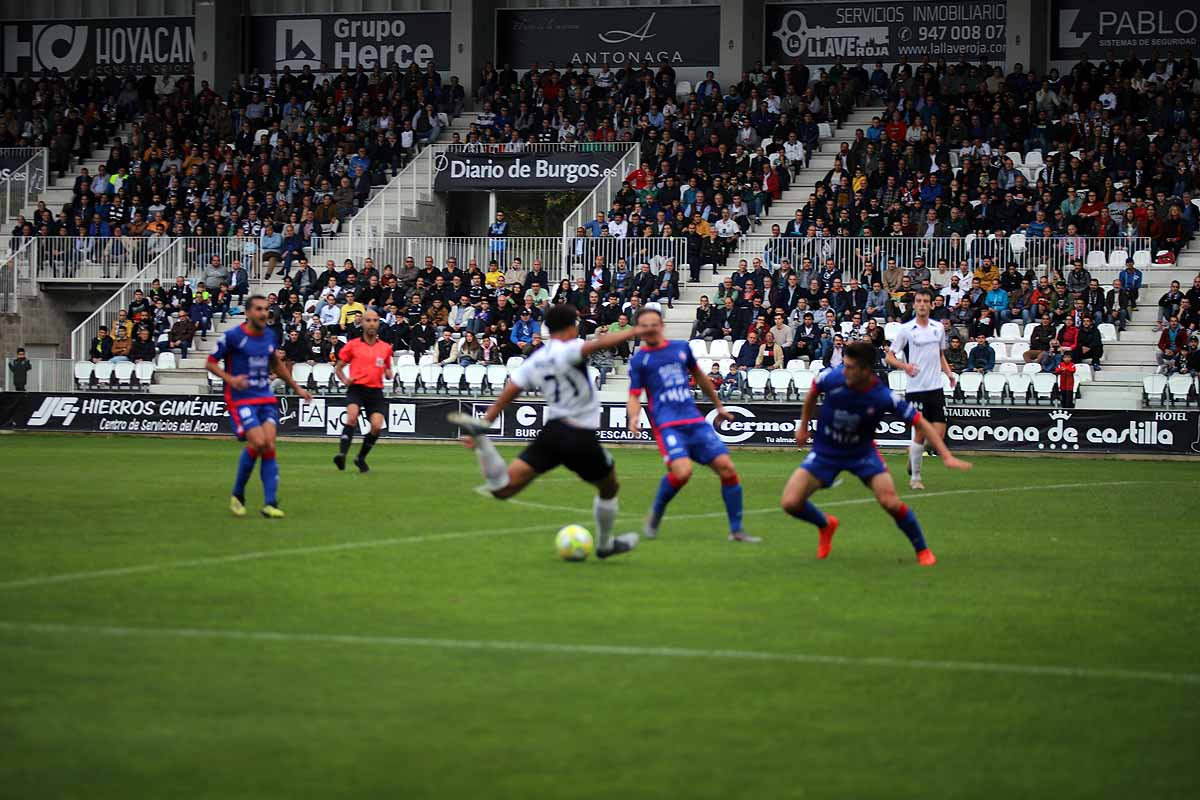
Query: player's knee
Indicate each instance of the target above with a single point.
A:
(680, 474)
(891, 503)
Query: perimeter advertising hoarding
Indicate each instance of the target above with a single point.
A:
(1097, 26)
(817, 33)
(334, 41)
(1028, 429)
(108, 46)
(682, 36)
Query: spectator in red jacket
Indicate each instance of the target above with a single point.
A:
(1171, 341)
(1066, 380)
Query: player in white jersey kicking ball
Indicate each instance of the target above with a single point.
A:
(558, 370)
(918, 350)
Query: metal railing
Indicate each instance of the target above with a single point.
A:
(381, 215)
(17, 271)
(534, 147)
(561, 258)
(601, 198)
(1103, 257)
(187, 256)
(47, 375)
(94, 259)
(23, 181)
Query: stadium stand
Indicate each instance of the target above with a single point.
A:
(1048, 213)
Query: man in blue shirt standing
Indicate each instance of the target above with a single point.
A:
(855, 400)
(661, 369)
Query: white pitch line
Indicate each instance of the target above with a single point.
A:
(887, 662)
(234, 558)
(859, 500)
(260, 554)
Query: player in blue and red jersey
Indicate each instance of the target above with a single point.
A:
(855, 399)
(244, 359)
(661, 369)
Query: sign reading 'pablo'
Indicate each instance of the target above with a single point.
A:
(570, 170)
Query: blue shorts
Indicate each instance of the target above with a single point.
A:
(252, 416)
(697, 441)
(826, 468)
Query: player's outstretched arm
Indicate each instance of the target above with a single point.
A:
(939, 445)
(285, 372)
(238, 382)
(606, 341)
(711, 393)
(507, 395)
(810, 408)
(633, 412)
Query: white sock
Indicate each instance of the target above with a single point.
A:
(491, 464)
(605, 512)
(915, 451)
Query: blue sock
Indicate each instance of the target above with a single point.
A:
(731, 493)
(812, 515)
(244, 471)
(270, 477)
(668, 487)
(906, 521)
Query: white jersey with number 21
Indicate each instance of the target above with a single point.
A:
(558, 371)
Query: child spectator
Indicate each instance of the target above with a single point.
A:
(1066, 380)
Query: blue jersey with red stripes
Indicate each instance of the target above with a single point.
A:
(244, 353)
(848, 417)
(664, 373)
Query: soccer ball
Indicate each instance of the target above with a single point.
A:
(574, 543)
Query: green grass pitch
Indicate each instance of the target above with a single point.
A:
(399, 635)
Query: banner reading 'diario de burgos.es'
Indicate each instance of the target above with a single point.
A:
(108, 46)
(817, 33)
(334, 41)
(682, 36)
(1025, 429)
(534, 171)
(1093, 27)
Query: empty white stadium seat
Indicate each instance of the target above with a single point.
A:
(718, 349)
(475, 375)
(1083, 373)
(1141, 258)
(994, 386)
(514, 362)
(407, 376)
(1032, 368)
(1179, 388)
(497, 376)
(405, 359)
(143, 375)
(1043, 386)
(737, 348)
(452, 376)
(1117, 258)
(795, 364)
(1154, 388)
(430, 374)
(817, 366)
(1018, 387)
(429, 358)
(167, 360)
(947, 387)
(302, 372)
(83, 374)
(1010, 332)
(1108, 332)
(699, 348)
(890, 330)
(780, 381)
(322, 376)
(969, 383)
(1034, 159)
(1008, 368)
(802, 381)
(123, 374)
(756, 381)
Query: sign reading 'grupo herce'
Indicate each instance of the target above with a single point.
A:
(535, 171)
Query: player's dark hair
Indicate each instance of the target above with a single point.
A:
(925, 292)
(861, 352)
(647, 310)
(561, 317)
(250, 300)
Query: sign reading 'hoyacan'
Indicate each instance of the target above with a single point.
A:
(109, 46)
(1035, 430)
(1094, 27)
(820, 32)
(682, 36)
(569, 170)
(334, 41)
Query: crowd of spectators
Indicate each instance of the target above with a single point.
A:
(280, 159)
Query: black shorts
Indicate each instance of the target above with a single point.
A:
(369, 401)
(577, 449)
(931, 404)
